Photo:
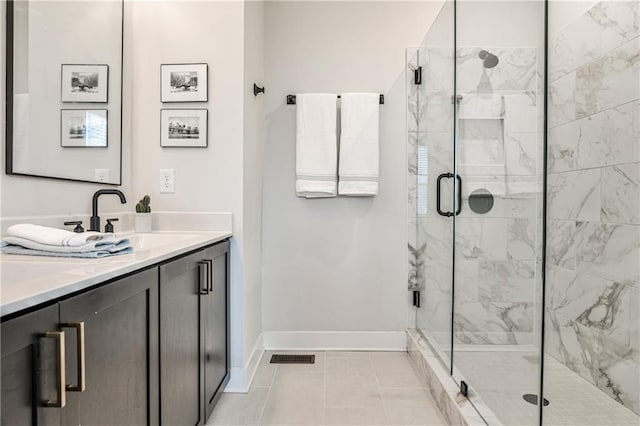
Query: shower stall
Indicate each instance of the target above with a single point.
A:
(523, 122)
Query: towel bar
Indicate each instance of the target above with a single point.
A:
(291, 99)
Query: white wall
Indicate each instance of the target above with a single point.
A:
(252, 172)
(208, 179)
(337, 264)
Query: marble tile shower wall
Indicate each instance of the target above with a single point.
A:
(593, 230)
(497, 254)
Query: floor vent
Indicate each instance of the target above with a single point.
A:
(533, 399)
(292, 359)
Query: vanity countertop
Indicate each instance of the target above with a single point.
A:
(28, 281)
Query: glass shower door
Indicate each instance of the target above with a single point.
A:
(498, 158)
(431, 126)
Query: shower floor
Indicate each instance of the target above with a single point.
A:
(573, 400)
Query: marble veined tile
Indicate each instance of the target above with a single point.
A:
(558, 282)
(474, 105)
(609, 81)
(575, 195)
(606, 138)
(619, 22)
(634, 309)
(439, 149)
(609, 251)
(521, 113)
(561, 243)
(515, 71)
(481, 238)
(521, 154)
(506, 281)
(563, 147)
(620, 189)
(562, 100)
(598, 304)
(438, 68)
(521, 239)
(575, 45)
(492, 322)
(636, 131)
(573, 344)
(619, 369)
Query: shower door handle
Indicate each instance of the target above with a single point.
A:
(439, 194)
(459, 188)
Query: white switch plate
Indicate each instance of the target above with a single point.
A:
(167, 181)
(102, 175)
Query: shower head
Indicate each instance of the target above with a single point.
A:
(489, 60)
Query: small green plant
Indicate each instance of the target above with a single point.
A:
(144, 205)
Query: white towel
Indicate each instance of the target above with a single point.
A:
(316, 145)
(359, 144)
(44, 237)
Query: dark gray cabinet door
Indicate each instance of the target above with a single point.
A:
(30, 369)
(216, 325)
(121, 353)
(182, 287)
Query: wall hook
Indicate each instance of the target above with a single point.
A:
(257, 89)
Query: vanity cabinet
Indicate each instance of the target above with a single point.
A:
(30, 344)
(194, 334)
(119, 343)
(146, 349)
(89, 359)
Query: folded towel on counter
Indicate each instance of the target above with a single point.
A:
(35, 240)
(316, 145)
(359, 144)
(11, 249)
(111, 246)
(57, 237)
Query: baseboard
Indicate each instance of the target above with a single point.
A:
(336, 340)
(242, 377)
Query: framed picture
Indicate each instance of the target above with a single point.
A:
(184, 82)
(85, 83)
(181, 128)
(83, 128)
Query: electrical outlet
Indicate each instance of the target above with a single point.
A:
(167, 181)
(102, 175)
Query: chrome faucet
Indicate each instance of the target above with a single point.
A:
(94, 222)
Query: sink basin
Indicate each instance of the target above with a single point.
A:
(148, 241)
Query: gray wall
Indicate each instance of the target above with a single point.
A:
(337, 264)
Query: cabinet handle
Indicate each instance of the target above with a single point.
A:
(203, 267)
(80, 357)
(58, 336)
(210, 263)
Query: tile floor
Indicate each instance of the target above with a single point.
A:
(573, 401)
(341, 388)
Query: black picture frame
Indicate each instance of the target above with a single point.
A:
(183, 97)
(163, 128)
(64, 97)
(106, 116)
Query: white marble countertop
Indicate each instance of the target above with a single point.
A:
(28, 281)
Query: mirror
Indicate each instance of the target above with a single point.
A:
(64, 89)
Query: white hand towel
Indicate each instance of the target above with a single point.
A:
(359, 144)
(54, 237)
(316, 145)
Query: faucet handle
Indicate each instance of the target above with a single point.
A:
(78, 223)
(109, 226)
